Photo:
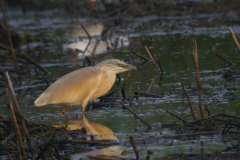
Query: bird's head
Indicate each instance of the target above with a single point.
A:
(116, 66)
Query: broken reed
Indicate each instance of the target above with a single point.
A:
(16, 125)
(234, 38)
(198, 78)
(134, 147)
(150, 55)
(23, 120)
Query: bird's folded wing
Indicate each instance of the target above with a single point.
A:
(72, 89)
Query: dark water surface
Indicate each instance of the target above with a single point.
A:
(172, 42)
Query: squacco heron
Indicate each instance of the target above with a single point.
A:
(83, 85)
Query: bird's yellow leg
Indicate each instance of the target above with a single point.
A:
(64, 110)
(83, 111)
(83, 107)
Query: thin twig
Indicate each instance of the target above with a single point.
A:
(190, 105)
(230, 112)
(180, 118)
(234, 38)
(189, 115)
(2, 26)
(123, 90)
(197, 121)
(160, 66)
(221, 57)
(9, 157)
(32, 61)
(129, 73)
(95, 47)
(182, 86)
(141, 56)
(198, 110)
(86, 32)
(149, 127)
(209, 114)
(150, 86)
(48, 148)
(90, 40)
(160, 80)
(1, 116)
(202, 147)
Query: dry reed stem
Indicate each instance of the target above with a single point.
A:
(123, 90)
(24, 56)
(198, 79)
(198, 110)
(141, 56)
(160, 80)
(48, 148)
(221, 57)
(1, 116)
(3, 55)
(33, 62)
(10, 40)
(9, 157)
(150, 86)
(189, 115)
(202, 147)
(230, 112)
(160, 66)
(180, 118)
(90, 40)
(134, 147)
(234, 38)
(20, 114)
(16, 125)
(209, 114)
(129, 73)
(151, 56)
(3, 26)
(182, 85)
(197, 121)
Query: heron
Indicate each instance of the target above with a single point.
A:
(83, 85)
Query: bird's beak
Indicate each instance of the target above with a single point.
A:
(127, 66)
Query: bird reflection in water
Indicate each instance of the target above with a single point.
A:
(100, 132)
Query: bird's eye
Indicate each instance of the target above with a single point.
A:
(119, 64)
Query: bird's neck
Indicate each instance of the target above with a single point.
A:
(108, 71)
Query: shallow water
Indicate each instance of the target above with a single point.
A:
(171, 38)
